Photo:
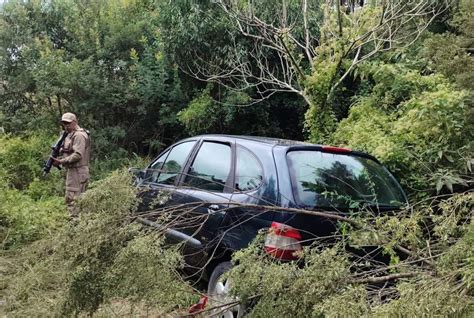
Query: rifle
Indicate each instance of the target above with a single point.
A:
(55, 149)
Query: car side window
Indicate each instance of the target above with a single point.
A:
(249, 172)
(166, 171)
(154, 170)
(210, 168)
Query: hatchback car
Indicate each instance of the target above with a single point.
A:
(231, 187)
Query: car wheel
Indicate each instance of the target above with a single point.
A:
(219, 294)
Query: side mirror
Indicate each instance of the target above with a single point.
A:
(137, 174)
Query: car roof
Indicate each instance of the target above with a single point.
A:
(266, 140)
(285, 143)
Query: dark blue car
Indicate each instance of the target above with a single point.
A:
(224, 189)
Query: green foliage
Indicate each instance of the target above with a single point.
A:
(121, 66)
(427, 298)
(454, 217)
(98, 259)
(145, 271)
(332, 282)
(30, 207)
(205, 114)
(353, 298)
(320, 120)
(346, 39)
(390, 232)
(214, 111)
(98, 59)
(32, 279)
(417, 125)
(101, 168)
(455, 224)
(24, 219)
(201, 114)
(21, 161)
(283, 289)
(445, 54)
(203, 40)
(450, 53)
(459, 260)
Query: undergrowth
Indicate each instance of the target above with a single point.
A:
(102, 262)
(434, 279)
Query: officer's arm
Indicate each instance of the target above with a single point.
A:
(78, 149)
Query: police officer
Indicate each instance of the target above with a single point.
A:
(75, 158)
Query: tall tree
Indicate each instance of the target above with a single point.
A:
(308, 48)
(198, 33)
(100, 59)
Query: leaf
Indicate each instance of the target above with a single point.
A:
(439, 185)
(354, 205)
(461, 181)
(449, 185)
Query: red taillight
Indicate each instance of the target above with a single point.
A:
(336, 149)
(283, 241)
(199, 306)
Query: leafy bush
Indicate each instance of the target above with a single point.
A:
(417, 125)
(216, 110)
(428, 297)
(145, 272)
(21, 161)
(24, 219)
(284, 289)
(449, 53)
(30, 205)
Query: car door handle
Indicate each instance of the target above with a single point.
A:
(213, 208)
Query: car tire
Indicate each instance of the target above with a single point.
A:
(219, 293)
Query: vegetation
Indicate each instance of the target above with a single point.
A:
(394, 80)
(100, 259)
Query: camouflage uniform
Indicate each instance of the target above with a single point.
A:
(76, 156)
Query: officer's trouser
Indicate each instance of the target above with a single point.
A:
(76, 183)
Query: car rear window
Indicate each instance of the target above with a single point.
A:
(341, 181)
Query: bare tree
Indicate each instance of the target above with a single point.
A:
(284, 46)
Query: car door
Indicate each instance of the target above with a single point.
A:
(254, 185)
(205, 186)
(159, 192)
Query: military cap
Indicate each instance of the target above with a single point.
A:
(68, 117)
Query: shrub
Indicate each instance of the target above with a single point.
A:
(21, 161)
(24, 219)
(418, 125)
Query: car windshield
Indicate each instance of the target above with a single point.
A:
(342, 181)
